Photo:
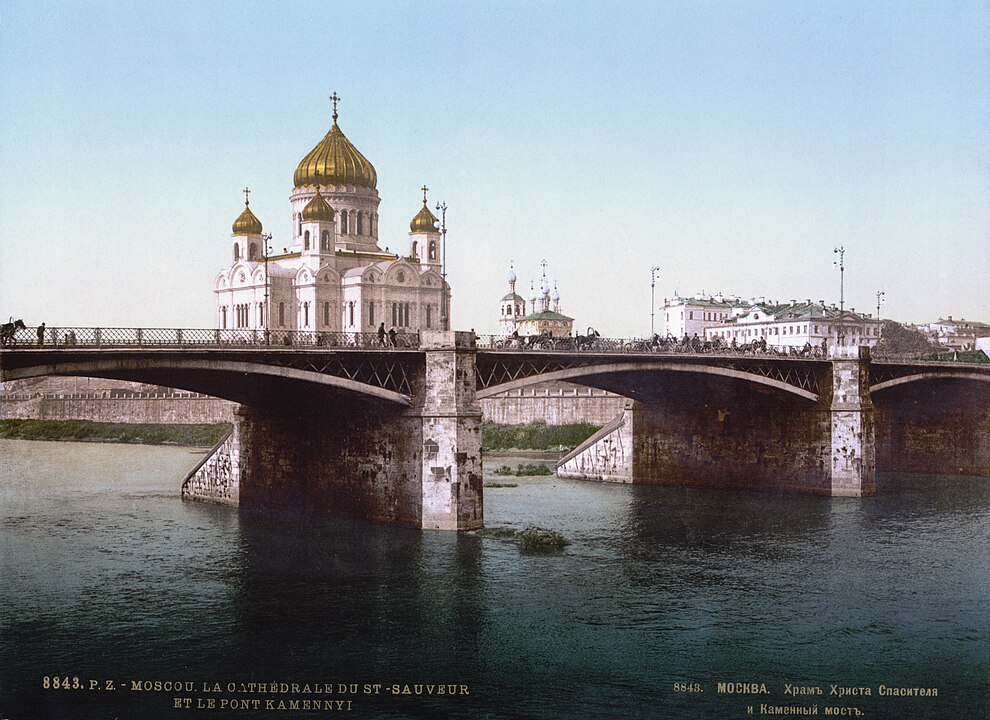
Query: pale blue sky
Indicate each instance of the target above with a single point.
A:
(732, 143)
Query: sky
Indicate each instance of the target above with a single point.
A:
(733, 144)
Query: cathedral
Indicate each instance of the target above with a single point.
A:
(333, 277)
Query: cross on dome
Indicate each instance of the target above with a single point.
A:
(246, 191)
(335, 99)
(424, 189)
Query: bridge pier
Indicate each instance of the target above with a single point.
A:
(852, 434)
(711, 431)
(359, 457)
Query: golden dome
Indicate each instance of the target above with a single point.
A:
(317, 210)
(334, 161)
(424, 221)
(246, 223)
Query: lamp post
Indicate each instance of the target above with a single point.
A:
(880, 299)
(841, 251)
(653, 297)
(444, 310)
(267, 320)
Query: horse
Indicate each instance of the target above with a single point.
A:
(8, 330)
(586, 342)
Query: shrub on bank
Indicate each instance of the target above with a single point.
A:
(87, 431)
(535, 436)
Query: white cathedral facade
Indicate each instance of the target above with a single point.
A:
(333, 277)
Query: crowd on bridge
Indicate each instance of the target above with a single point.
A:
(593, 342)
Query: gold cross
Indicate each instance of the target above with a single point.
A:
(424, 189)
(246, 192)
(335, 99)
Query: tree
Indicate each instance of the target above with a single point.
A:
(896, 338)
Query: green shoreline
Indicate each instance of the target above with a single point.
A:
(534, 436)
(127, 433)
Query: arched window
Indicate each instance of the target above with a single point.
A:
(223, 317)
(306, 240)
(237, 252)
(325, 240)
(360, 223)
(371, 313)
(413, 253)
(281, 314)
(343, 222)
(253, 251)
(306, 314)
(433, 249)
(350, 315)
(299, 224)
(326, 314)
(429, 316)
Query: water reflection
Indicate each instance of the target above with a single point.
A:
(113, 575)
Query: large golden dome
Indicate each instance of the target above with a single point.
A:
(335, 161)
(317, 210)
(247, 223)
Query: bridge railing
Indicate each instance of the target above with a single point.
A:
(660, 346)
(101, 337)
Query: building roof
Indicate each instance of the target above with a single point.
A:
(513, 296)
(546, 315)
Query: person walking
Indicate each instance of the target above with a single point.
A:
(381, 334)
(41, 334)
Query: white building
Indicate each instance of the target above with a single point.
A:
(333, 276)
(794, 325)
(958, 334)
(692, 316)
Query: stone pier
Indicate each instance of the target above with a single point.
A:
(353, 456)
(703, 430)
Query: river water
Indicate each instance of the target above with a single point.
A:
(108, 580)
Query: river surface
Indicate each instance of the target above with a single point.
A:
(108, 579)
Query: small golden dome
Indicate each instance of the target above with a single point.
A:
(246, 223)
(424, 221)
(317, 210)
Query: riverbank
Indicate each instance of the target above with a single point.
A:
(127, 433)
(535, 436)
(494, 437)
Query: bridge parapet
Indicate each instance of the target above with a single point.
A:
(203, 338)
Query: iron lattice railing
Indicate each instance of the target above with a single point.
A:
(658, 346)
(100, 337)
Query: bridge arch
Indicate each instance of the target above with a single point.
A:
(130, 370)
(578, 373)
(917, 377)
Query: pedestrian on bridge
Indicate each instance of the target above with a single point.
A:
(391, 337)
(41, 334)
(381, 334)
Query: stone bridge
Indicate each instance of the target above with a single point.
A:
(389, 430)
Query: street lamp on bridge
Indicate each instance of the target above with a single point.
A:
(444, 303)
(880, 299)
(842, 273)
(653, 297)
(266, 320)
